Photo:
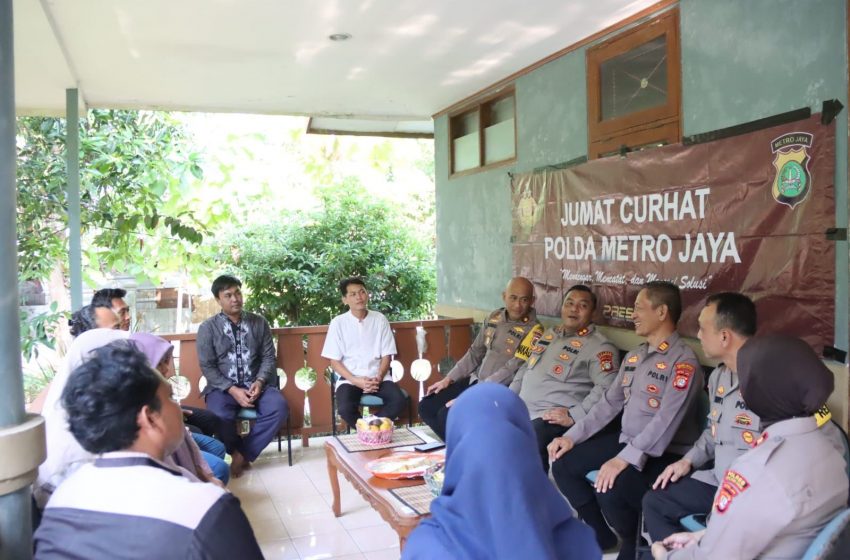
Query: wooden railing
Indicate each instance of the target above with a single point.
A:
(297, 345)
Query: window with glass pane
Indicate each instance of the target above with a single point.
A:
(499, 137)
(635, 80)
(465, 141)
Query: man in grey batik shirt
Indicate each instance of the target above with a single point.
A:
(237, 357)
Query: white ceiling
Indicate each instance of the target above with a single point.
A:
(406, 60)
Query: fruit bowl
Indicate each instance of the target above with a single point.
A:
(374, 430)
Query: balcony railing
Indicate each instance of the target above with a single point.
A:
(296, 345)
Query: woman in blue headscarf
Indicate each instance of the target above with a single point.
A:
(496, 501)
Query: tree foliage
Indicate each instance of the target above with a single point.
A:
(291, 267)
(136, 171)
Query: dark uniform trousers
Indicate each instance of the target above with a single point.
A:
(621, 505)
(348, 401)
(662, 509)
(433, 410)
(546, 432)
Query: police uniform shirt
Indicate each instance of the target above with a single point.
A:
(732, 428)
(501, 346)
(656, 389)
(774, 500)
(569, 370)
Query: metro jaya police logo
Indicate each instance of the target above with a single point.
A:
(792, 182)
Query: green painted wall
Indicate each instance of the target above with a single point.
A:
(740, 61)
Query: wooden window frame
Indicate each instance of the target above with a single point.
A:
(664, 132)
(481, 107)
(625, 130)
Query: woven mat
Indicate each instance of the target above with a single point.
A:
(417, 498)
(401, 438)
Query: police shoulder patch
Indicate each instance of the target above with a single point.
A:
(606, 360)
(733, 484)
(684, 371)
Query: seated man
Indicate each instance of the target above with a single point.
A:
(237, 357)
(570, 368)
(108, 305)
(726, 322)
(128, 503)
(359, 344)
(656, 390)
(502, 345)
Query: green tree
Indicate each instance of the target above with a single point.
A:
(291, 267)
(136, 173)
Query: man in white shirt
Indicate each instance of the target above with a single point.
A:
(359, 345)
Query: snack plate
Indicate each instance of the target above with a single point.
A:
(404, 465)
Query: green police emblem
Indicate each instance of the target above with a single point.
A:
(792, 179)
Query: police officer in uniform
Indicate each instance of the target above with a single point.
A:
(774, 500)
(570, 367)
(656, 389)
(726, 322)
(502, 345)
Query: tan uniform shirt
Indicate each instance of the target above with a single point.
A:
(500, 340)
(568, 370)
(775, 498)
(732, 428)
(656, 389)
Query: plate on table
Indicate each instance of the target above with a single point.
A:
(404, 465)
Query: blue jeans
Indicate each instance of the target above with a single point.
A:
(209, 444)
(220, 469)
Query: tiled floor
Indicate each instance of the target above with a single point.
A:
(290, 510)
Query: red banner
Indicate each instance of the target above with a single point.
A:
(746, 214)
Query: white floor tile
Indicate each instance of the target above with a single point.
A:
(259, 510)
(374, 538)
(312, 524)
(385, 554)
(361, 517)
(282, 549)
(269, 530)
(291, 507)
(329, 545)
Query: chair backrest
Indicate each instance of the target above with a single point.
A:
(833, 542)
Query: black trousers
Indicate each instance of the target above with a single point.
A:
(545, 433)
(204, 421)
(662, 509)
(433, 411)
(621, 505)
(348, 401)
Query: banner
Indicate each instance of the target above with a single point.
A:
(745, 214)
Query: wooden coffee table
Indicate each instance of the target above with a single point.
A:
(375, 490)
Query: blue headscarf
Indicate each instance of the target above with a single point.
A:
(497, 502)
